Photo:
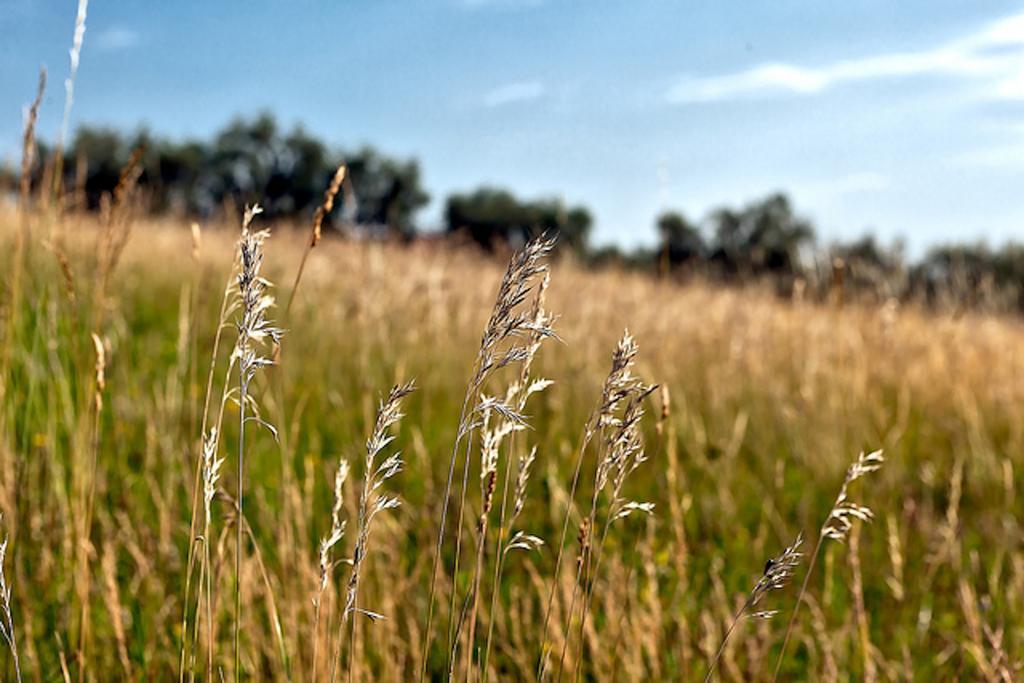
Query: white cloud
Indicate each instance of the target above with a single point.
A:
(993, 56)
(117, 38)
(523, 91)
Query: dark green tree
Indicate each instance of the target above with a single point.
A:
(250, 160)
(681, 241)
(493, 217)
(970, 273)
(388, 193)
(764, 238)
(105, 152)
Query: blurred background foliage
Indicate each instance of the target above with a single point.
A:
(287, 171)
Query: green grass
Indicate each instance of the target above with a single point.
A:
(770, 402)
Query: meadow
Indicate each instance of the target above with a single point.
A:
(117, 351)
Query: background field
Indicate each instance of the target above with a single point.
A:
(770, 400)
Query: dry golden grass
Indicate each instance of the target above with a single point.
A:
(769, 401)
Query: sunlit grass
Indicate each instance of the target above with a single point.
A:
(770, 400)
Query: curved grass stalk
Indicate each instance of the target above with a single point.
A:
(326, 564)
(777, 573)
(624, 453)
(505, 324)
(619, 384)
(524, 388)
(836, 527)
(371, 503)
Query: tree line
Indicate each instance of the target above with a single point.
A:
(286, 171)
(768, 240)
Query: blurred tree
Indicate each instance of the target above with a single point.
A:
(301, 169)
(180, 172)
(862, 268)
(971, 273)
(488, 216)
(867, 252)
(387, 192)
(244, 158)
(766, 237)
(252, 161)
(105, 153)
(681, 242)
(492, 217)
(867, 267)
(574, 232)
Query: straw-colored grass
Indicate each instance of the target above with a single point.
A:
(769, 401)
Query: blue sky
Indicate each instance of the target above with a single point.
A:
(903, 119)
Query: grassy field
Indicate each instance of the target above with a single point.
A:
(762, 406)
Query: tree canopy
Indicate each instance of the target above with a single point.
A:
(493, 217)
(766, 236)
(248, 161)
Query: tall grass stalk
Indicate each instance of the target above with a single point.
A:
(7, 621)
(621, 453)
(505, 323)
(777, 573)
(286, 536)
(505, 541)
(836, 527)
(86, 495)
(75, 56)
(616, 387)
(209, 444)
(254, 330)
(211, 475)
(22, 231)
(228, 305)
(490, 443)
(508, 340)
(326, 561)
(110, 244)
(371, 503)
(510, 420)
(322, 212)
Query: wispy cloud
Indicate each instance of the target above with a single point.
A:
(523, 91)
(993, 56)
(117, 38)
